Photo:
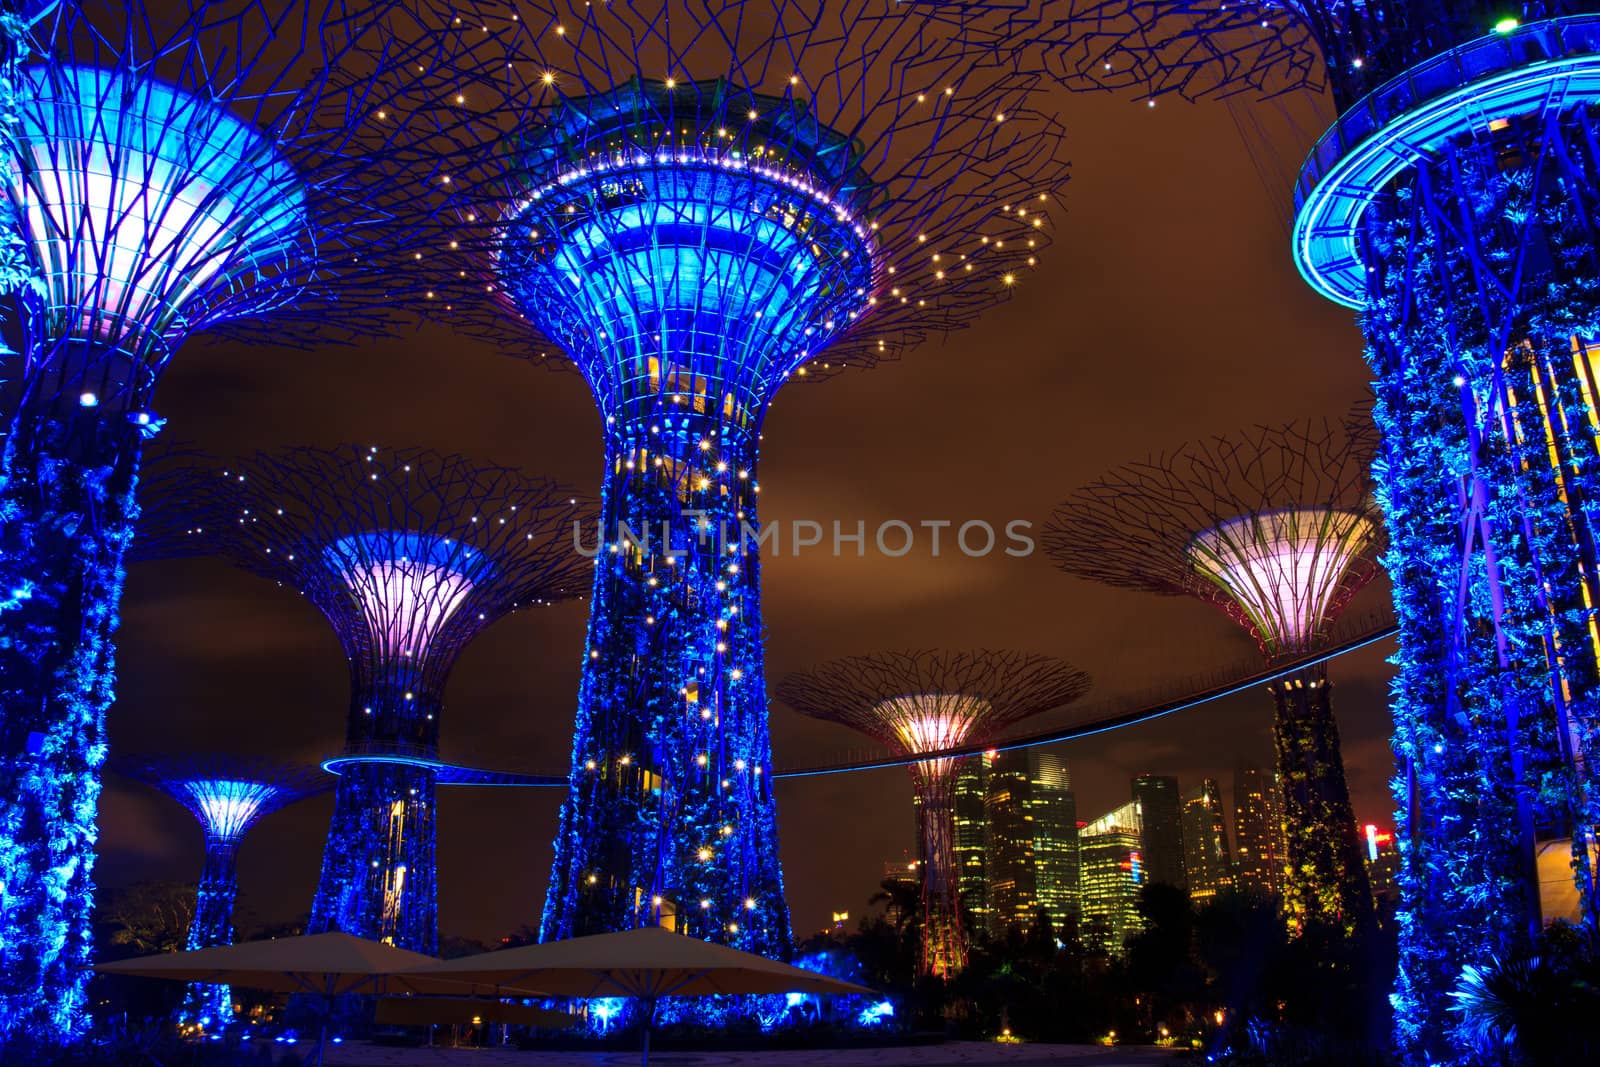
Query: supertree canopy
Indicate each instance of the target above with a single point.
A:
(926, 702)
(1277, 527)
(774, 189)
(409, 554)
(227, 795)
(169, 173)
(1209, 48)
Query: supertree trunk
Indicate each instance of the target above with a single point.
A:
(1482, 276)
(66, 517)
(378, 878)
(944, 943)
(211, 1004)
(670, 811)
(379, 874)
(1327, 883)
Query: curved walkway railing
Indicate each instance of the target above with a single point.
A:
(1122, 713)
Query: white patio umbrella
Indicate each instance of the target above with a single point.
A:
(324, 965)
(643, 965)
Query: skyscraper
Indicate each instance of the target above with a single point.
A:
(1383, 865)
(1443, 204)
(1206, 858)
(1055, 835)
(1012, 872)
(1277, 527)
(1157, 797)
(1113, 873)
(971, 830)
(1258, 831)
(1031, 843)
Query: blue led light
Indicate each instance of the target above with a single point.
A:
(140, 208)
(226, 808)
(1456, 179)
(687, 281)
(1418, 114)
(701, 280)
(227, 796)
(151, 203)
(409, 554)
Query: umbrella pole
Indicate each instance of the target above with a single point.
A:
(649, 1005)
(322, 1034)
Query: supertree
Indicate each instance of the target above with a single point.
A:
(408, 554)
(171, 173)
(227, 795)
(772, 189)
(925, 702)
(1453, 203)
(1277, 527)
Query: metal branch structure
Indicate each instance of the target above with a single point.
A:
(1278, 527)
(170, 172)
(1148, 48)
(227, 795)
(928, 701)
(1454, 204)
(692, 204)
(178, 516)
(409, 554)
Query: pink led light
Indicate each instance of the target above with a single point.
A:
(932, 722)
(406, 603)
(1283, 568)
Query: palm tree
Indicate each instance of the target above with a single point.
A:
(1534, 1009)
(902, 900)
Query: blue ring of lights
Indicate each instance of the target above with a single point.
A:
(445, 773)
(1392, 129)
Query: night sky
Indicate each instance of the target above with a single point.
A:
(1167, 309)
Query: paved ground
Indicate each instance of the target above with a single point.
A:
(953, 1054)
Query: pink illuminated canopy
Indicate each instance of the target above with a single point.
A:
(932, 722)
(1285, 570)
(408, 587)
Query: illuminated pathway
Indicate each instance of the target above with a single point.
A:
(1103, 719)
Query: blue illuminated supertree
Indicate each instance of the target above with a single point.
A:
(170, 173)
(409, 554)
(772, 189)
(1454, 203)
(227, 795)
(924, 702)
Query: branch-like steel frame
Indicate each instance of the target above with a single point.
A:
(1277, 526)
(409, 554)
